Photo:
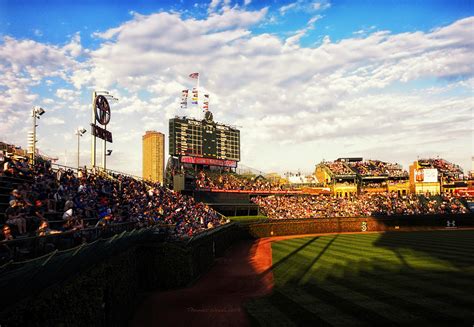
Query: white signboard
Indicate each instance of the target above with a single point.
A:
(430, 175)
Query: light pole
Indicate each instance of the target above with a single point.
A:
(96, 94)
(109, 152)
(35, 113)
(106, 152)
(79, 133)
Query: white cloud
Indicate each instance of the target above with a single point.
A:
(323, 5)
(67, 95)
(53, 121)
(284, 9)
(74, 48)
(304, 6)
(213, 5)
(337, 99)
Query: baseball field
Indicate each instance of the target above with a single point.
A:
(379, 279)
(419, 278)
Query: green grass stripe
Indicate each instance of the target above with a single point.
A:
(263, 313)
(432, 238)
(421, 244)
(294, 310)
(424, 287)
(347, 290)
(399, 296)
(280, 260)
(296, 242)
(461, 280)
(332, 257)
(343, 293)
(445, 254)
(366, 309)
(375, 279)
(341, 251)
(433, 246)
(330, 314)
(407, 257)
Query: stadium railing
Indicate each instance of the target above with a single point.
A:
(29, 247)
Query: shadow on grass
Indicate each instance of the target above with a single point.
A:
(398, 289)
(455, 247)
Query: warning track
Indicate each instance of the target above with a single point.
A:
(217, 298)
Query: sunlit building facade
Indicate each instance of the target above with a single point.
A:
(153, 156)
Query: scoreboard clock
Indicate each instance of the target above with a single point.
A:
(204, 139)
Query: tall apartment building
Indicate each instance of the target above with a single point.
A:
(153, 156)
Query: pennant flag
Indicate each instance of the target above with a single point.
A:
(194, 75)
(205, 106)
(184, 98)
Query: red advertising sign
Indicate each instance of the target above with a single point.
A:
(210, 162)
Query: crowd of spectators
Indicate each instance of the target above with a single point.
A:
(234, 182)
(92, 199)
(447, 169)
(339, 168)
(366, 204)
(382, 184)
(377, 168)
(14, 167)
(395, 170)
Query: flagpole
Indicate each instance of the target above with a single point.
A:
(197, 88)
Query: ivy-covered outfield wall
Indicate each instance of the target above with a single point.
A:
(168, 265)
(99, 284)
(282, 227)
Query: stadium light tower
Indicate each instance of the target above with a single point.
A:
(79, 132)
(108, 153)
(94, 119)
(36, 113)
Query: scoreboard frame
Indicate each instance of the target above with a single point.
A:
(213, 143)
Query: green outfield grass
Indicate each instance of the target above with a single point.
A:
(247, 219)
(383, 279)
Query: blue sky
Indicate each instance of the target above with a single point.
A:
(327, 67)
(57, 20)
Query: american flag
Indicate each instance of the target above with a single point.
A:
(194, 75)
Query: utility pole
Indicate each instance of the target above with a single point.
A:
(93, 121)
(35, 113)
(79, 133)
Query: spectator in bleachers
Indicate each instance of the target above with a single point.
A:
(339, 168)
(110, 199)
(15, 216)
(368, 204)
(6, 233)
(44, 229)
(233, 182)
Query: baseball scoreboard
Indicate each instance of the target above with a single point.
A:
(204, 141)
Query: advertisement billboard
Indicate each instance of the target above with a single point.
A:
(431, 175)
(426, 175)
(211, 162)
